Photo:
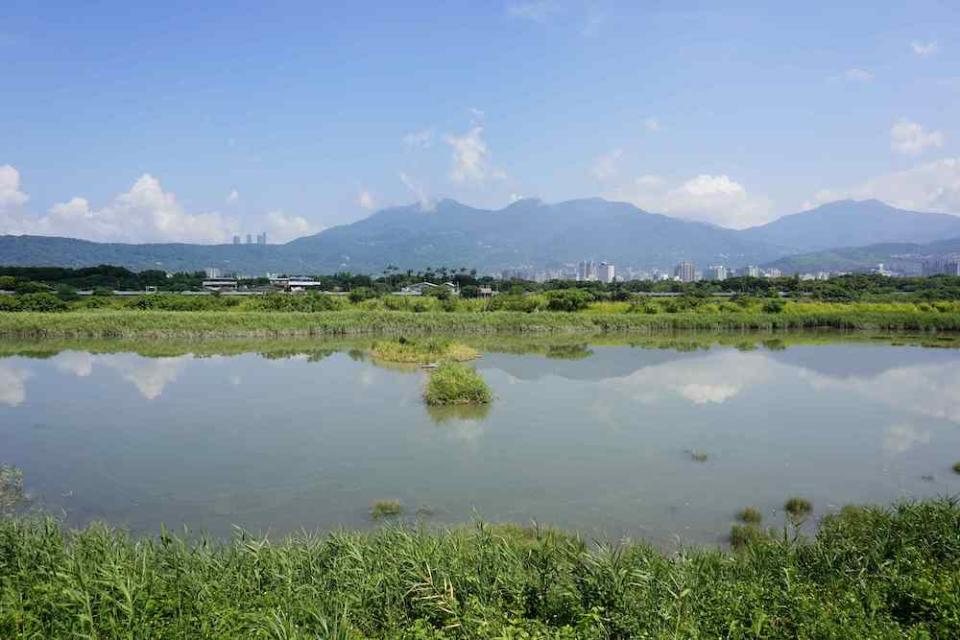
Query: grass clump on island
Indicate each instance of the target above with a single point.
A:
(454, 383)
(867, 573)
(385, 509)
(422, 351)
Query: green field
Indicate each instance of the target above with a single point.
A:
(868, 573)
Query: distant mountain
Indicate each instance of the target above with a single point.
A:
(526, 233)
(902, 257)
(850, 223)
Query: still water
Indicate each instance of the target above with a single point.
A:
(590, 437)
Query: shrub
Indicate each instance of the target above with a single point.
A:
(568, 300)
(455, 383)
(46, 302)
(773, 305)
(361, 293)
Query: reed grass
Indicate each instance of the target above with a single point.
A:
(867, 573)
(422, 351)
(111, 323)
(454, 383)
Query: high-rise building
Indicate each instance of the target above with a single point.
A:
(751, 271)
(716, 272)
(941, 266)
(212, 273)
(607, 272)
(236, 239)
(686, 271)
(262, 238)
(249, 239)
(586, 270)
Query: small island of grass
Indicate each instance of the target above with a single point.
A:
(422, 350)
(455, 383)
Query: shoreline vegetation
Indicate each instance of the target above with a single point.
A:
(601, 319)
(867, 572)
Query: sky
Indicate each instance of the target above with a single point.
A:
(195, 121)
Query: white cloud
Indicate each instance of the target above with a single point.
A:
(857, 75)
(144, 213)
(607, 166)
(652, 124)
(912, 139)
(13, 388)
(924, 49)
(418, 191)
(419, 139)
(283, 227)
(149, 375)
(471, 157)
(11, 197)
(233, 197)
(366, 200)
(932, 186)
(536, 10)
(709, 198)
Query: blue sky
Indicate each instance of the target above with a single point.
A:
(194, 121)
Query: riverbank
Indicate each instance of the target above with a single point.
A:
(867, 573)
(110, 323)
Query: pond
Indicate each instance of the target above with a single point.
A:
(607, 438)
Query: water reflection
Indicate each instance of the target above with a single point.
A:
(458, 412)
(13, 384)
(592, 436)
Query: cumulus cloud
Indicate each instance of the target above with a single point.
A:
(717, 199)
(924, 49)
(932, 186)
(911, 138)
(233, 197)
(79, 363)
(607, 166)
(366, 200)
(471, 157)
(144, 213)
(283, 227)
(11, 197)
(13, 387)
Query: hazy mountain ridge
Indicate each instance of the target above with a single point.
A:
(532, 233)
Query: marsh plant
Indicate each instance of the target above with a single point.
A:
(456, 383)
(867, 573)
(798, 509)
(698, 456)
(385, 509)
(956, 467)
(11, 488)
(750, 515)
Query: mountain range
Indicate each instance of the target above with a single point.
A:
(848, 235)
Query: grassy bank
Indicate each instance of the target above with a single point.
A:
(210, 324)
(867, 573)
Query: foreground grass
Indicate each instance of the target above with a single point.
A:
(868, 573)
(223, 324)
(456, 383)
